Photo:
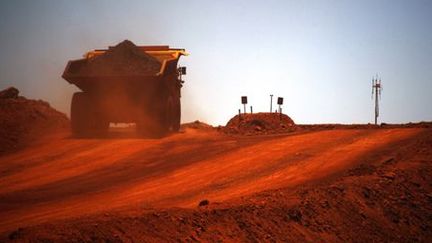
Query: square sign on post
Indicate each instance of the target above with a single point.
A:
(280, 101)
(244, 102)
(182, 70)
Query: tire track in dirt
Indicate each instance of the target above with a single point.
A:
(177, 171)
(327, 161)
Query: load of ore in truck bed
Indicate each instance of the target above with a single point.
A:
(124, 59)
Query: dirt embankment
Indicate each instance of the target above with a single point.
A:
(319, 127)
(23, 121)
(274, 123)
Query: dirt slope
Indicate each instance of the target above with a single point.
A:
(24, 121)
(313, 186)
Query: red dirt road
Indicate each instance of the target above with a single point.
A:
(68, 178)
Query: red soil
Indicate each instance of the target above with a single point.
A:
(331, 185)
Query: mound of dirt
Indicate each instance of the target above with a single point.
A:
(23, 121)
(196, 125)
(123, 59)
(9, 93)
(259, 123)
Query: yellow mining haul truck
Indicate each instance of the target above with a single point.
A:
(126, 84)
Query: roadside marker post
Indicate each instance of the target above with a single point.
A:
(280, 103)
(244, 102)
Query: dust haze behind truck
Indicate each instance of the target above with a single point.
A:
(126, 84)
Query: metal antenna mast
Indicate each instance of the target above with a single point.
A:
(271, 102)
(376, 89)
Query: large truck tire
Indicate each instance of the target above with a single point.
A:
(169, 116)
(160, 123)
(86, 119)
(79, 114)
(162, 120)
(151, 124)
(177, 115)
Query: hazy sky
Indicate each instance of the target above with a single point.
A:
(319, 55)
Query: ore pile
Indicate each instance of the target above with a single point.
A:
(123, 59)
(23, 121)
(197, 125)
(260, 123)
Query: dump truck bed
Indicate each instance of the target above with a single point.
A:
(166, 58)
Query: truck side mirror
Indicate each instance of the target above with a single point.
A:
(182, 70)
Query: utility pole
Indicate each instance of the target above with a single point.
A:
(376, 89)
(271, 102)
